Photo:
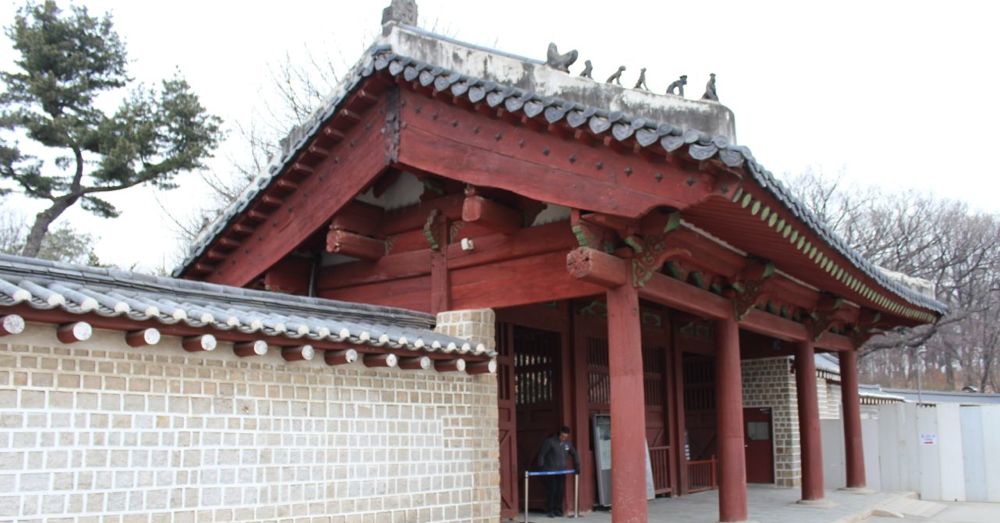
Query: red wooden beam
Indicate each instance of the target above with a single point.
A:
(490, 214)
(340, 357)
(74, 332)
(142, 337)
(358, 217)
(199, 342)
(11, 324)
(414, 217)
(453, 365)
(599, 268)
(462, 145)
(415, 363)
(355, 162)
(290, 275)
(380, 360)
(298, 353)
(519, 281)
(244, 349)
(354, 245)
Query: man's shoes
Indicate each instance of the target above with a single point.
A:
(551, 515)
(559, 513)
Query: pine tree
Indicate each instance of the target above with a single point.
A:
(68, 60)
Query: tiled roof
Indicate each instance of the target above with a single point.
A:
(382, 59)
(43, 284)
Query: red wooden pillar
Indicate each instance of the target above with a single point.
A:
(854, 455)
(809, 431)
(628, 416)
(729, 422)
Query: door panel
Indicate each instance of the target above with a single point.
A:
(507, 432)
(759, 447)
(536, 393)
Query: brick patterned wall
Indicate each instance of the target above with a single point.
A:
(99, 431)
(475, 325)
(829, 398)
(769, 382)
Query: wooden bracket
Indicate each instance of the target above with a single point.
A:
(652, 250)
(824, 316)
(358, 217)
(434, 231)
(751, 287)
(590, 234)
(864, 328)
(354, 245)
(490, 214)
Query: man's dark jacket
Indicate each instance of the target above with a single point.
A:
(552, 455)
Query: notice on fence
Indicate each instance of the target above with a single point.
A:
(928, 439)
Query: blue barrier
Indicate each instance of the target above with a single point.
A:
(576, 487)
(549, 472)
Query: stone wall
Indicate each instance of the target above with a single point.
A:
(475, 325)
(100, 431)
(770, 383)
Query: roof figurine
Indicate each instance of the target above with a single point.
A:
(588, 70)
(710, 93)
(677, 86)
(617, 77)
(641, 82)
(400, 11)
(560, 61)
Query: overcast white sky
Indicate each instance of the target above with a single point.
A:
(896, 94)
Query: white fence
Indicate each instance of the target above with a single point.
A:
(944, 452)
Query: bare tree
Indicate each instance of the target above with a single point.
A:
(938, 240)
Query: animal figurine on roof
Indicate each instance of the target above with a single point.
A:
(588, 70)
(560, 61)
(401, 11)
(677, 87)
(617, 77)
(641, 83)
(710, 93)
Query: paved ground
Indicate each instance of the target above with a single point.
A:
(953, 513)
(766, 505)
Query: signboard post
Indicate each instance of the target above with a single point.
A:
(601, 428)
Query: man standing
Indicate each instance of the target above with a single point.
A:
(552, 456)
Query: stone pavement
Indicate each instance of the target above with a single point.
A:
(766, 505)
(965, 512)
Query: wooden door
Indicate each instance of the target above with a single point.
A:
(536, 393)
(759, 447)
(507, 432)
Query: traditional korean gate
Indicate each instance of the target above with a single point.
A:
(507, 430)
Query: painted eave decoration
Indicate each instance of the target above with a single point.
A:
(789, 220)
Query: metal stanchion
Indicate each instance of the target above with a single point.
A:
(526, 496)
(576, 494)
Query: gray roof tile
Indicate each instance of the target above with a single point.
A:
(169, 301)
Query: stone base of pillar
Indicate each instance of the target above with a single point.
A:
(857, 490)
(816, 503)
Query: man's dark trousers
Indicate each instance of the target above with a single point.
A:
(555, 487)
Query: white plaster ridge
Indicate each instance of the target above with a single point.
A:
(533, 75)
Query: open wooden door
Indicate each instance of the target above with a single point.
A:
(507, 430)
(536, 374)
